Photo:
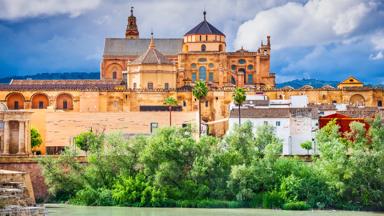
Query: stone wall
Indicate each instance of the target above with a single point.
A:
(30, 166)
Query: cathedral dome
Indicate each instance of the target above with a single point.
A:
(204, 28)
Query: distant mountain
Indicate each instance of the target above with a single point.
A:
(54, 76)
(297, 83)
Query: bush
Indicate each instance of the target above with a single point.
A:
(300, 205)
(273, 200)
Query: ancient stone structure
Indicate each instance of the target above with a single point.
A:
(16, 194)
(14, 130)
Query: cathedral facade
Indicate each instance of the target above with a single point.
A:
(200, 55)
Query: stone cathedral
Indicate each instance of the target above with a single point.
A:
(163, 63)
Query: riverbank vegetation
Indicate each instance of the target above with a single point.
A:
(244, 169)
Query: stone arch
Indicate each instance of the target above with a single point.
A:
(114, 70)
(357, 100)
(15, 100)
(39, 101)
(64, 101)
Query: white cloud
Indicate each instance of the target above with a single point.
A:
(16, 9)
(313, 23)
(378, 56)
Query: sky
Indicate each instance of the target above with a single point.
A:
(321, 39)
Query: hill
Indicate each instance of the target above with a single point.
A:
(297, 83)
(54, 76)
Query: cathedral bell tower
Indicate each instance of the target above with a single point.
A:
(132, 32)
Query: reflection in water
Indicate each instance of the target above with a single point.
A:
(124, 211)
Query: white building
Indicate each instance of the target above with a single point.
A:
(293, 121)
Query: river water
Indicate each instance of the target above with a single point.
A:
(69, 210)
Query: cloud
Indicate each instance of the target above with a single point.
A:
(17, 9)
(313, 23)
(378, 56)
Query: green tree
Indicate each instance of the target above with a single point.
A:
(200, 91)
(36, 139)
(170, 102)
(239, 97)
(89, 140)
(307, 145)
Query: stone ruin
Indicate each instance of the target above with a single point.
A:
(16, 195)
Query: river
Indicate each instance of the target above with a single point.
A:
(69, 210)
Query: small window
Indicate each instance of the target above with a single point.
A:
(193, 77)
(265, 123)
(280, 97)
(203, 48)
(379, 103)
(193, 65)
(206, 37)
(242, 61)
(211, 76)
(166, 86)
(334, 101)
(277, 123)
(114, 75)
(211, 65)
(150, 85)
(324, 97)
(233, 67)
(220, 48)
(206, 103)
(351, 80)
(41, 105)
(250, 67)
(200, 37)
(16, 104)
(134, 85)
(184, 103)
(65, 104)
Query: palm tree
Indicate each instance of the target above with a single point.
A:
(171, 102)
(200, 91)
(239, 97)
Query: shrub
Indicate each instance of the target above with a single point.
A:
(272, 200)
(300, 205)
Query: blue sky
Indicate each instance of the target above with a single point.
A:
(322, 39)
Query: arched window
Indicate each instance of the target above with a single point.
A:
(250, 67)
(114, 75)
(193, 77)
(242, 61)
(202, 73)
(206, 37)
(203, 48)
(193, 65)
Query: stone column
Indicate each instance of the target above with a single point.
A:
(21, 137)
(28, 148)
(7, 139)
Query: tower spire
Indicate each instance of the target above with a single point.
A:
(152, 43)
(205, 14)
(132, 32)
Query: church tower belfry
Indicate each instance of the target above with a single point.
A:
(132, 32)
